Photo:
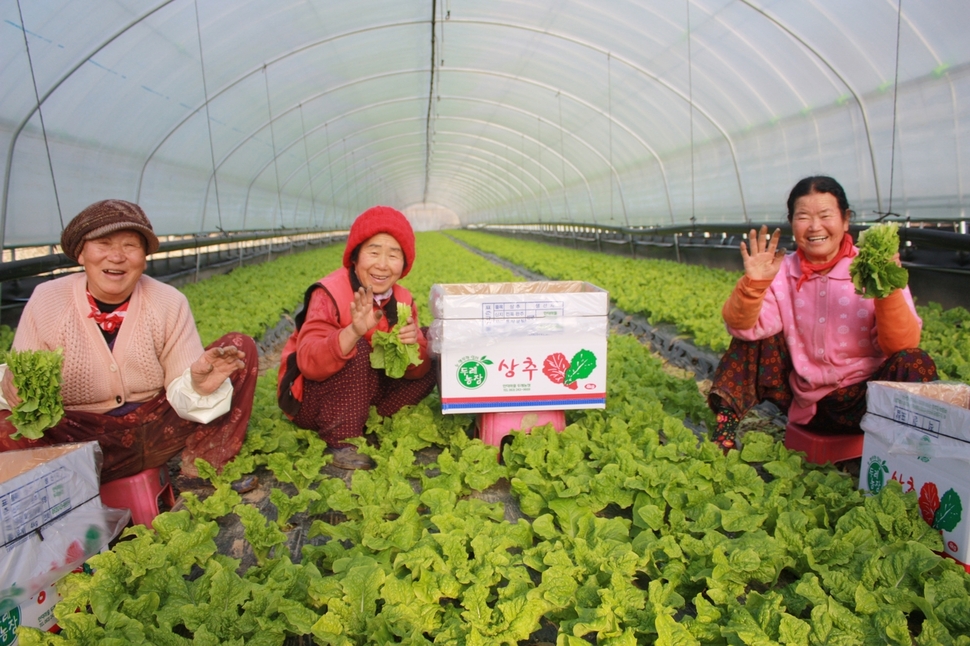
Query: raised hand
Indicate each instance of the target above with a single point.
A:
(214, 366)
(762, 260)
(363, 315)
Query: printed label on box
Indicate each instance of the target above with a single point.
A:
(520, 378)
(35, 503)
(523, 310)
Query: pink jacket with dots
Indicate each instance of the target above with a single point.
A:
(829, 329)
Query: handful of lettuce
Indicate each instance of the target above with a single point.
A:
(873, 271)
(37, 376)
(389, 352)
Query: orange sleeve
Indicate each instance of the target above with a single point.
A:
(743, 306)
(896, 326)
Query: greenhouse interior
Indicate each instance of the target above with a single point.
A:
(603, 405)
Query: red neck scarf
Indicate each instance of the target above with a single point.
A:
(846, 250)
(111, 321)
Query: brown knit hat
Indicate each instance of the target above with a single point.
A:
(102, 218)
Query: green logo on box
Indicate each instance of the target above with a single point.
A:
(8, 627)
(875, 477)
(472, 372)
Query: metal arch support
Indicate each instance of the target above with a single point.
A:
(320, 153)
(402, 161)
(675, 91)
(259, 172)
(495, 177)
(60, 81)
(298, 169)
(831, 67)
(409, 170)
(585, 144)
(347, 180)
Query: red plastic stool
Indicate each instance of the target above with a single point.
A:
(492, 427)
(140, 493)
(823, 448)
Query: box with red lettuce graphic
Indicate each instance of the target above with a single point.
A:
(919, 435)
(520, 346)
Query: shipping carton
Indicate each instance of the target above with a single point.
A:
(520, 346)
(919, 435)
(51, 517)
(35, 612)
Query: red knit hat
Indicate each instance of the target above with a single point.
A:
(382, 219)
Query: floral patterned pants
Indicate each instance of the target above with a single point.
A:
(153, 433)
(751, 372)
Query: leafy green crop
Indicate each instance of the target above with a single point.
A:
(628, 530)
(37, 377)
(392, 354)
(873, 271)
(6, 340)
(689, 296)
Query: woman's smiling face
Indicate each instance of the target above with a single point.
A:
(818, 226)
(380, 263)
(113, 264)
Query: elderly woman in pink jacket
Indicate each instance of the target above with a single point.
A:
(803, 339)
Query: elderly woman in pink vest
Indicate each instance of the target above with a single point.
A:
(326, 382)
(135, 376)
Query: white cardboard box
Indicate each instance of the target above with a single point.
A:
(35, 612)
(919, 435)
(520, 346)
(51, 516)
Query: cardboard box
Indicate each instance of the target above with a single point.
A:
(520, 346)
(51, 517)
(35, 612)
(919, 435)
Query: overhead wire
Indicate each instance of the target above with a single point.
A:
(208, 124)
(40, 113)
(431, 89)
(272, 139)
(690, 102)
(892, 153)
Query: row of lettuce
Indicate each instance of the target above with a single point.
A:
(691, 296)
(626, 530)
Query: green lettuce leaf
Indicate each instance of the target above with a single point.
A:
(389, 352)
(873, 271)
(37, 376)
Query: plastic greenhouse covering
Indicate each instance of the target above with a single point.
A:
(268, 114)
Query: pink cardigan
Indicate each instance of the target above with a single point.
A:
(156, 343)
(829, 329)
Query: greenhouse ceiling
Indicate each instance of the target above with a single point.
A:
(268, 114)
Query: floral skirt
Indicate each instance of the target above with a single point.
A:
(751, 372)
(153, 433)
(337, 407)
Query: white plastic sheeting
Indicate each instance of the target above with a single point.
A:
(255, 114)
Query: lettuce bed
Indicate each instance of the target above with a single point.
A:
(623, 529)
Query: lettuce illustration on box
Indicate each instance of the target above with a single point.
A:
(940, 513)
(566, 372)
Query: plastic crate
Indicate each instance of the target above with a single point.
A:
(141, 494)
(823, 448)
(493, 427)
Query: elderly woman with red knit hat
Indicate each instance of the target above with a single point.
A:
(326, 382)
(135, 375)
